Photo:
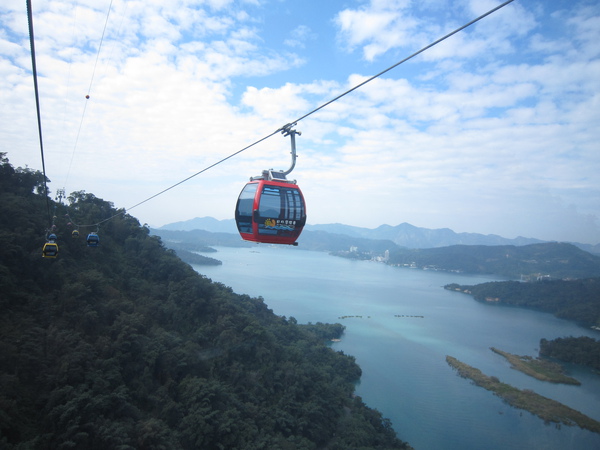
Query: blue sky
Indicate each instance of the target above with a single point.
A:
(493, 131)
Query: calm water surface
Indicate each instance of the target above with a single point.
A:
(405, 375)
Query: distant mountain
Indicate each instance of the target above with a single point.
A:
(548, 259)
(407, 235)
(197, 239)
(403, 235)
(203, 223)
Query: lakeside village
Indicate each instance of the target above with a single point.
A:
(354, 253)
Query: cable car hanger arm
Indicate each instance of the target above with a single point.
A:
(280, 175)
(287, 131)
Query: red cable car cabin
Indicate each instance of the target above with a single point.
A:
(271, 211)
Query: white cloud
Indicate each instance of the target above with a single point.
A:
(299, 36)
(380, 26)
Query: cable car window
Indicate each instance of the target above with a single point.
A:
(244, 208)
(270, 202)
(281, 203)
(293, 203)
(246, 200)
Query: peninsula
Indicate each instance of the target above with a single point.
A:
(541, 369)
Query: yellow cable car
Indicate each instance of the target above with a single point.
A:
(50, 250)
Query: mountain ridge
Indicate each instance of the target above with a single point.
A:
(403, 235)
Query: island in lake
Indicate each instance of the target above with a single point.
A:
(539, 368)
(543, 407)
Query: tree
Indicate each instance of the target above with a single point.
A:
(126, 346)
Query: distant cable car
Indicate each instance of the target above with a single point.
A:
(50, 250)
(270, 208)
(75, 234)
(93, 240)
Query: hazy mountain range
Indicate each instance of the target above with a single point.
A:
(403, 235)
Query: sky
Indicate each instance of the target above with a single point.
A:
(494, 131)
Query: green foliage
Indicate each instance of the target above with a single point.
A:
(578, 350)
(325, 331)
(577, 300)
(124, 346)
(193, 258)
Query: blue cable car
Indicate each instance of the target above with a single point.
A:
(93, 240)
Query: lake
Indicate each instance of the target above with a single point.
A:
(402, 326)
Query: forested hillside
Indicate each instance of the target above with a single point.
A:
(577, 300)
(582, 350)
(125, 346)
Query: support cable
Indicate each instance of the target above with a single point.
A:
(37, 103)
(87, 97)
(100, 46)
(401, 62)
